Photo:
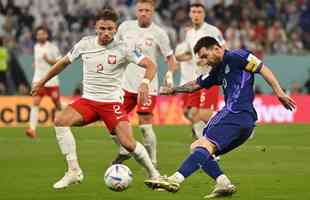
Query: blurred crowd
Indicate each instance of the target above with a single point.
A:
(262, 26)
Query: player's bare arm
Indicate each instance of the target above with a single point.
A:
(286, 101)
(184, 56)
(49, 60)
(172, 67)
(150, 71)
(55, 69)
(186, 88)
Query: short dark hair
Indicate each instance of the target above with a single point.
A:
(197, 4)
(41, 28)
(107, 14)
(205, 42)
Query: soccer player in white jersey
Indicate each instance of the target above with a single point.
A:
(151, 40)
(202, 104)
(104, 62)
(46, 54)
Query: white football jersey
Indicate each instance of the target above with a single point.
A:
(187, 68)
(194, 35)
(150, 41)
(103, 67)
(41, 67)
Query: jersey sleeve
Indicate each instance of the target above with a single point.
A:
(207, 80)
(164, 44)
(75, 52)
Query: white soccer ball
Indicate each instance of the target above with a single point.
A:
(118, 177)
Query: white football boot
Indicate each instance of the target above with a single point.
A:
(221, 190)
(68, 179)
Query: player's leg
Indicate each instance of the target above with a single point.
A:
(193, 104)
(145, 113)
(116, 119)
(190, 111)
(201, 157)
(33, 120)
(76, 114)
(130, 102)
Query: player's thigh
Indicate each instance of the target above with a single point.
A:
(244, 135)
(228, 130)
(78, 113)
(145, 111)
(130, 101)
(68, 117)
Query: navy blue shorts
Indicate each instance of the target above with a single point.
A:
(229, 130)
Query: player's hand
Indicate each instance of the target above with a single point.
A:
(169, 79)
(36, 88)
(166, 90)
(287, 102)
(143, 93)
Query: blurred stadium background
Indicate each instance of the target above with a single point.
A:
(278, 31)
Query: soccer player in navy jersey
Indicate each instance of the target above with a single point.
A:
(233, 124)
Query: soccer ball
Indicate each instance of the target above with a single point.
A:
(118, 177)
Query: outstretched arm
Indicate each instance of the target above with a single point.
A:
(54, 70)
(186, 88)
(286, 101)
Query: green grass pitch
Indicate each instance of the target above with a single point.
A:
(272, 166)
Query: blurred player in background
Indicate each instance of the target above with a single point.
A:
(46, 54)
(198, 109)
(104, 62)
(233, 124)
(146, 37)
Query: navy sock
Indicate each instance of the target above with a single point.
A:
(200, 158)
(212, 168)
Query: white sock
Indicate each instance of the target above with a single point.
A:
(198, 128)
(150, 142)
(67, 146)
(141, 156)
(177, 177)
(223, 180)
(34, 117)
(122, 150)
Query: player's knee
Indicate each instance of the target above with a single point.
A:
(61, 121)
(204, 143)
(145, 118)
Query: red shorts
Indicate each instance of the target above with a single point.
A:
(111, 113)
(202, 99)
(131, 100)
(52, 92)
